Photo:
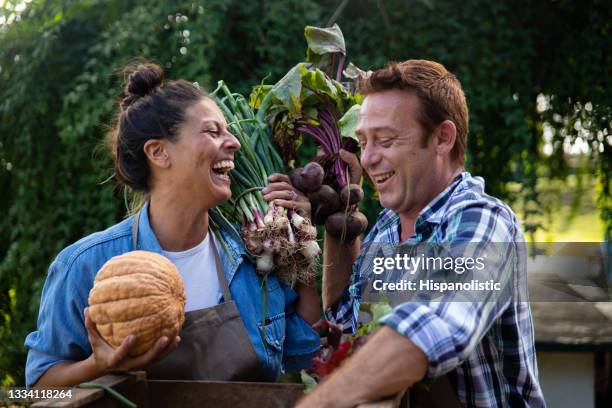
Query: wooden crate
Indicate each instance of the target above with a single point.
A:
(165, 393)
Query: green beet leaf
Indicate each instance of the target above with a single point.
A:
(289, 89)
(348, 123)
(325, 40)
(308, 381)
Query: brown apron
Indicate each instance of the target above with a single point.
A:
(214, 342)
(436, 393)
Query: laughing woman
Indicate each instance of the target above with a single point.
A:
(171, 143)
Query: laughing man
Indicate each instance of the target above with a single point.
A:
(413, 129)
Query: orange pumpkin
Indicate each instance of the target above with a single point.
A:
(139, 293)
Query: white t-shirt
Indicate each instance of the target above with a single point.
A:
(199, 271)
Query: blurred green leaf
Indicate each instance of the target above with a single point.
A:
(348, 123)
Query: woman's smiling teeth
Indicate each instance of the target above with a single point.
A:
(381, 178)
(222, 168)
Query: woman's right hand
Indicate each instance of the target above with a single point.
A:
(108, 359)
(281, 191)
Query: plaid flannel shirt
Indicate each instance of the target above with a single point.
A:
(486, 345)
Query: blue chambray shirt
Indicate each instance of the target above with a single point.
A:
(288, 343)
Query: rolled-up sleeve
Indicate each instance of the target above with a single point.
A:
(450, 328)
(346, 311)
(301, 341)
(60, 334)
(446, 332)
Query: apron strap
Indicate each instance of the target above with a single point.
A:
(135, 230)
(227, 296)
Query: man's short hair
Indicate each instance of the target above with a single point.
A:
(439, 92)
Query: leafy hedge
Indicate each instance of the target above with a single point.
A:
(59, 64)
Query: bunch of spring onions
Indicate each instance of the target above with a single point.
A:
(280, 240)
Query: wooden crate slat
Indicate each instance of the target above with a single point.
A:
(223, 394)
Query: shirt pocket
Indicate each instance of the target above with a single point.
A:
(273, 337)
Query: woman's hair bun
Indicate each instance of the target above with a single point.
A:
(141, 81)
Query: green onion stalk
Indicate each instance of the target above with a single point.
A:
(279, 240)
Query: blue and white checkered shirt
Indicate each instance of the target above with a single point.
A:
(486, 345)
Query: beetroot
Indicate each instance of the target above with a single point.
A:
(351, 194)
(312, 176)
(324, 201)
(295, 176)
(307, 179)
(346, 227)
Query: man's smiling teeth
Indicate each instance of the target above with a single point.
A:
(223, 166)
(383, 177)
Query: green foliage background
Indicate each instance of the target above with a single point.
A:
(59, 65)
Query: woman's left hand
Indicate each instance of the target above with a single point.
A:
(285, 195)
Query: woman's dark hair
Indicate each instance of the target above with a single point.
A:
(150, 109)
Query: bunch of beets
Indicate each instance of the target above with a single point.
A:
(337, 210)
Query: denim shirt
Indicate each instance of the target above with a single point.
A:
(287, 342)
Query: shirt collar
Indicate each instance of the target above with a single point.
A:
(388, 223)
(434, 211)
(430, 215)
(147, 240)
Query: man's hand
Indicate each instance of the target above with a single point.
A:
(109, 359)
(355, 169)
(283, 194)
